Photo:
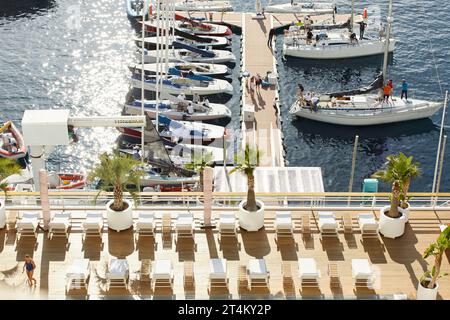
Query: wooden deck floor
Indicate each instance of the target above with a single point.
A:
(399, 261)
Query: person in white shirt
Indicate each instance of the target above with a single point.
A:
(196, 98)
(206, 103)
(190, 108)
(182, 96)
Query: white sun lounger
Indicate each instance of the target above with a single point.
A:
(328, 225)
(93, 224)
(166, 223)
(258, 276)
(145, 224)
(368, 225)
(28, 224)
(118, 273)
(77, 275)
(227, 224)
(362, 273)
(184, 225)
(162, 274)
(218, 275)
(283, 224)
(309, 274)
(59, 225)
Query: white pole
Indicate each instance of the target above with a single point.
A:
(352, 17)
(158, 21)
(355, 149)
(142, 79)
(444, 142)
(387, 41)
(440, 143)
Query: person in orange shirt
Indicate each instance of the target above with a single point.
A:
(387, 92)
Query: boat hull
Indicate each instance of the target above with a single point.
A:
(212, 69)
(326, 8)
(340, 52)
(216, 87)
(421, 110)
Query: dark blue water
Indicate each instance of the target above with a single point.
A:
(75, 55)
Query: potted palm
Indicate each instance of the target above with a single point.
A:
(251, 210)
(428, 286)
(7, 167)
(199, 161)
(399, 170)
(118, 174)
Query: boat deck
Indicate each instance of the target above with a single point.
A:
(398, 261)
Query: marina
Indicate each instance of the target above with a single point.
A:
(254, 140)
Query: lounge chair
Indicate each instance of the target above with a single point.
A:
(218, 275)
(309, 274)
(283, 224)
(189, 278)
(78, 274)
(118, 273)
(166, 223)
(328, 225)
(145, 271)
(333, 273)
(306, 224)
(162, 274)
(258, 276)
(28, 224)
(145, 224)
(368, 225)
(227, 224)
(347, 223)
(184, 225)
(286, 269)
(59, 225)
(362, 273)
(93, 224)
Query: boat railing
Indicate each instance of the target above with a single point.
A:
(227, 201)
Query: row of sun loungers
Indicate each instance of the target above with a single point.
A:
(160, 274)
(184, 224)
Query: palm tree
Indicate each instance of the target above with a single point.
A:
(120, 174)
(401, 169)
(436, 250)
(199, 161)
(247, 162)
(7, 168)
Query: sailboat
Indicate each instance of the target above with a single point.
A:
(335, 44)
(198, 42)
(193, 27)
(203, 6)
(302, 7)
(362, 108)
(202, 69)
(191, 54)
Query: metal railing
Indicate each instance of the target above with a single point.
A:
(228, 201)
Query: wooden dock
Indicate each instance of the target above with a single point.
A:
(399, 263)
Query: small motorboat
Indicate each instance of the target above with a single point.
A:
(191, 85)
(175, 41)
(203, 6)
(179, 110)
(136, 8)
(12, 144)
(302, 7)
(190, 54)
(193, 27)
(203, 69)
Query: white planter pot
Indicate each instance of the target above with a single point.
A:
(425, 293)
(406, 213)
(119, 220)
(390, 227)
(251, 220)
(2, 214)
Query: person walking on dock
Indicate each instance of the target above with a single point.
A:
(30, 266)
(258, 82)
(252, 85)
(404, 89)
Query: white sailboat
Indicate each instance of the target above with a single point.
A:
(176, 55)
(335, 44)
(193, 27)
(188, 86)
(203, 6)
(180, 111)
(200, 42)
(311, 7)
(364, 109)
(203, 69)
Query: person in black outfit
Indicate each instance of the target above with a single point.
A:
(309, 36)
(362, 28)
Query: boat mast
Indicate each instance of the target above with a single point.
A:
(144, 4)
(387, 41)
(352, 17)
(158, 76)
